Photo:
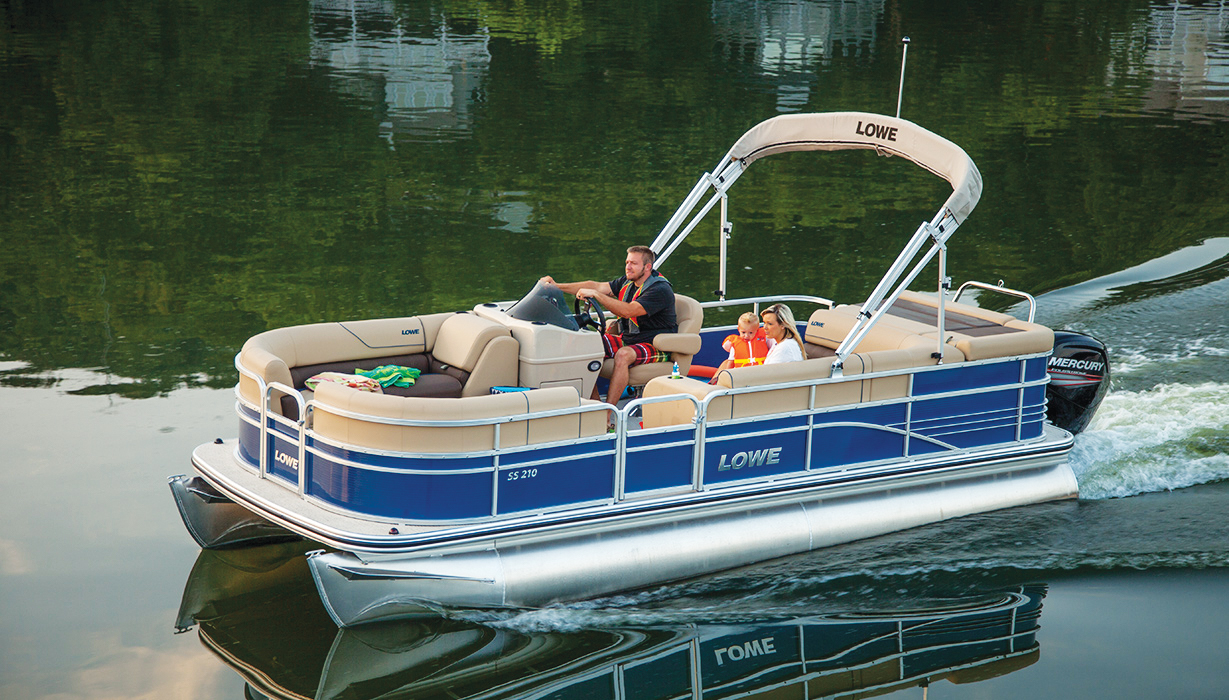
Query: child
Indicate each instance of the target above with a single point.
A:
(748, 347)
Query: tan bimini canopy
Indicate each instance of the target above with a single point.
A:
(834, 131)
(837, 131)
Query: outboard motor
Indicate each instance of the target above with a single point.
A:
(1079, 378)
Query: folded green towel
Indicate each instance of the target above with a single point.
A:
(391, 375)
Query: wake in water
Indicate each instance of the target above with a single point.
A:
(1165, 423)
(1169, 437)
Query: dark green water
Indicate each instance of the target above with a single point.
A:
(177, 176)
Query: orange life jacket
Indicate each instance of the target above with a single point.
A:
(748, 352)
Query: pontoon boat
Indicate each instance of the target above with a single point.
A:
(493, 482)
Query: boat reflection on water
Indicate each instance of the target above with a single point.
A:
(257, 609)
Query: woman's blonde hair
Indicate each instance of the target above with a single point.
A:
(785, 318)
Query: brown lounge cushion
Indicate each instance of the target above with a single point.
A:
(436, 381)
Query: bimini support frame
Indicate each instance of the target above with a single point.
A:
(836, 131)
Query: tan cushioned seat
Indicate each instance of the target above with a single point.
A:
(682, 345)
(778, 400)
(688, 313)
(399, 438)
(1032, 338)
(483, 348)
(659, 415)
(271, 354)
(318, 343)
(1015, 337)
(463, 337)
(951, 307)
(828, 327)
(849, 391)
(999, 335)
(755, 403)
(678, 342)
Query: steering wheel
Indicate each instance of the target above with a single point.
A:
(586, 318)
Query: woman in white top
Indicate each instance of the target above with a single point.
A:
(782, 332)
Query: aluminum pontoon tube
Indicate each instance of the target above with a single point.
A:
(214, 520)
(530, 571)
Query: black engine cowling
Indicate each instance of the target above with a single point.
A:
(1079, 378)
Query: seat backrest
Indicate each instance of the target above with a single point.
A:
(480, 347)
(463, 337)
(689, 314)
(978, 333)
(275, 355)
(828, 327)
(340, 412)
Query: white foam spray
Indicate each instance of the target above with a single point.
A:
(1165, 438)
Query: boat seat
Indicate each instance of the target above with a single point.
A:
(842, 392)
(337, 406)
(826, 328)
(978, 334)
(682, 345)
(439, 385)
(479, 352)
(459, 354)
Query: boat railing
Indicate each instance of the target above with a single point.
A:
(299, 429)
(1000, 289)
(624, 418)
(494, 421)
(695, 434)
(702, 419)
(741, 301)
(756, 301)
(266, 392)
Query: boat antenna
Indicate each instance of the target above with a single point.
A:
(901, 92)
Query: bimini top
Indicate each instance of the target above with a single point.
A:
(835, 131)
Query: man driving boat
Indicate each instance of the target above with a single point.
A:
(643, 301)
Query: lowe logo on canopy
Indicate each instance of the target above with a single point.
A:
(878, 131)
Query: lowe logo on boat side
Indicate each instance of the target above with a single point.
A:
(746, 650)
(1072, 363)
(292, 462)
(753, 458)
(878, 131)
(409, 331)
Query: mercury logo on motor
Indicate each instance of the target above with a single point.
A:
(1072, 363)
